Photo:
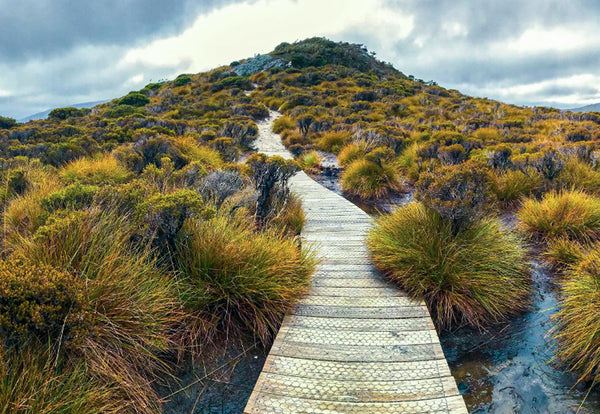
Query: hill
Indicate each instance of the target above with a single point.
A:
(44, 114)
(587, 108)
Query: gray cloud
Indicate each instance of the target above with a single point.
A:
(42, 28)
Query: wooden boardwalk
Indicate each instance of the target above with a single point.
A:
(354, 344)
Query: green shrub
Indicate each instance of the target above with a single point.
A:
(17, 182)
(577, 331)
(182, 80)
(365, 179)
(7, 123)
(244, 280)
(37, 302)
(476, 276)
(134, 99)
(69, 112)
(309, 160)
(350, 153)
(131, 302)
(74, 197)
(562, 252)
(571, 214)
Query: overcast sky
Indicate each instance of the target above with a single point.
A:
(59, 52)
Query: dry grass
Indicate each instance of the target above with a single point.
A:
(475, 277)
(239, 280)
(571, 214)
(577, 332)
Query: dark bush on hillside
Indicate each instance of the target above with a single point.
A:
(121, 111)
(231, 82)
(500, 158)
(152, 150)
(226, 147)
(458, 193)
(368, 96)
(69, 112)
(254, 111)
(17, 182)
(578, 134)
(37, 302)
(182, 80)
(550, 164)
(242, 131)
(7, 123)
(134, 99)
(452, 154)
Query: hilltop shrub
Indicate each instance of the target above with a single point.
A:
(7, 123)
(571, 214)
(182, 80)
(244, 281)
(134, 99)
(37, 302)
(477, 276)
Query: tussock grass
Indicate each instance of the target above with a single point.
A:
(309, 160)
(31, 383)
(512, 185)
(131, 302)
(577, 331)
(475, 277)
(333, 141)
(571, 214)
(239, 279)
(95, 171)
(366, 179)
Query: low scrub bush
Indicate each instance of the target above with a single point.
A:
(458, 193)
(571, 214)
(476, 276)
(37, 302)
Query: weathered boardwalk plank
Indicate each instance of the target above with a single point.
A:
(354, 344)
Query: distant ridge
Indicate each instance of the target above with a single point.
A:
(587, 108)
(44, 114)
